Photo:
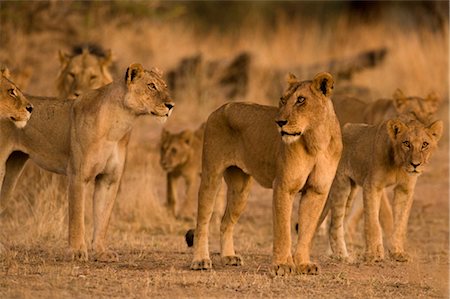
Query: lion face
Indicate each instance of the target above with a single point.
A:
(413, 143)
(13, 104)
(82, 72)
(421, 108)
(302, 105)
(175, 149)
(147, 93)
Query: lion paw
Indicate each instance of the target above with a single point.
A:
(204, 264)
(80, 255)
(340, 257)
(232, 260)
(374, 258)
(106, 257)
(283, 269)
(400, 256)
(309, 269)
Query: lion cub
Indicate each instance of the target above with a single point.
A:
(393, 153)
(181, 157)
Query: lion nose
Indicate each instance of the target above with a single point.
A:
(414, 164)
(29, 108)
(281, 123)
(169, 105)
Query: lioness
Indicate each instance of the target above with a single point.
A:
(393, 153)
(85, 139)
(294, 147)
(181, 156)
(14, 106)
(86, 68)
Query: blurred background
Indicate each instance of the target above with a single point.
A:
(211, 52)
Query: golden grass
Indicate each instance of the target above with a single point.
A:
(417, 62)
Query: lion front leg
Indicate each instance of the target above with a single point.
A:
(187, 210)
(77, 244)
(310, 208)
(372, 228)
(403, 199)
(282, 209)
(171, 193)
(105, 193)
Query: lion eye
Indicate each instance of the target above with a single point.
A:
(151, 86)
(12, 92)
(406, 144)
(72, 75)
(173, 150)
(424, 145)
(300, 100)
(93, 77)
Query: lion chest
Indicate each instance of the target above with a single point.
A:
(104, 158)
(293, 169)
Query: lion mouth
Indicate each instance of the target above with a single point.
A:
(284, 133)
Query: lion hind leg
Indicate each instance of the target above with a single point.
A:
(340, 193)
(239, 184)
(105, 192)
(13, 168)
(209, 187)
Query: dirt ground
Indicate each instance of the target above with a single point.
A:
(153, 257)
(155, 262)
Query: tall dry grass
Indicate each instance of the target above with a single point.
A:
(417, 62)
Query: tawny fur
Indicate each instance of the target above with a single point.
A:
(393, 153)
(351, 110)
(86, 140)
(293, 148)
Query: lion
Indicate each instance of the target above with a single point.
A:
(393, 153)
(85, 139)
(295, 147)
(181, 155)
(14, 106)
(86, 68)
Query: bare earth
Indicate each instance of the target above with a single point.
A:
(154, 261)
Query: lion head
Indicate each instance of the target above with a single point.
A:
(83, 71)
(413, 142)
(147, 92)
(13, 104)
(421, 108)
(175, 149)
(303, 104)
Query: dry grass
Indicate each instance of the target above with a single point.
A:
(154, 259)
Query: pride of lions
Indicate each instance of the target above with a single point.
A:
(321, 146)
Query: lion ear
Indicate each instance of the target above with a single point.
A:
(323, 83)
(164, 135)
(435, 129)
(291, 79)
(107, 60)
(434, 100)
(187, 137)
(395, 127)
(399, 100)
(133, 72)
(157, 71)
(5, 72)
(63, 58)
